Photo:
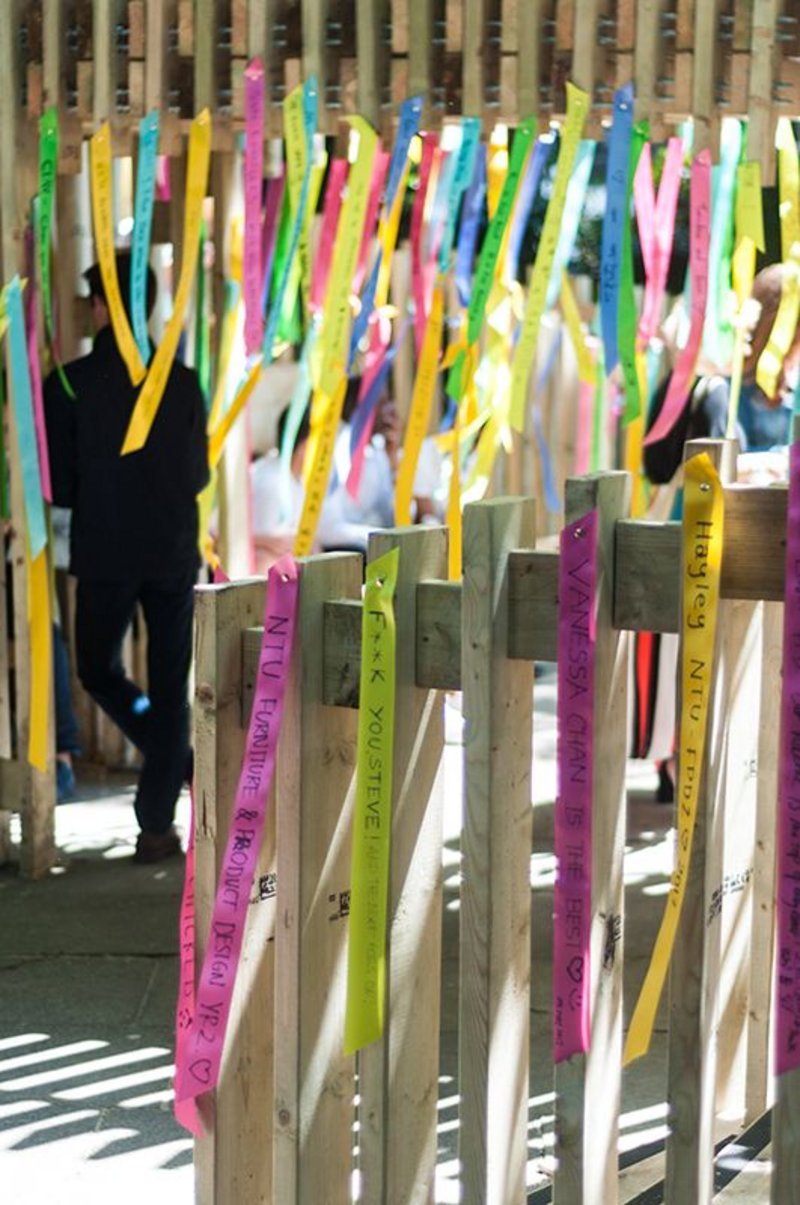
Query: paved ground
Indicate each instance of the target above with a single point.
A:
(88, 978)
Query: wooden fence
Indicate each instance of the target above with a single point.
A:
(288, 1098)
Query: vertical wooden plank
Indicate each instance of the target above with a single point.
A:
(786, 1139)
(233, 1160)
(585, 46)
(474, 76)
(759, 1061)
(206, 29)
(529, 80)
(495, 968)
(742, 650)
(646, 59)
(37, 791)
(588, 1087)
(371, 17)
(104, 50)
(314, 1081)
(52, 42)
(420, 32)
(155, 77)
(693, 987)
(398, 1075)
(760, 110)
(705, 110)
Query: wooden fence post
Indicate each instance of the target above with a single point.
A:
(693, 985)
(233, 1161)
(495, 961)
(314, 1105)
(399, 1074)
(759, 1061)
(588, 1087)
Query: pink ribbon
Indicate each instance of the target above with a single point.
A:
(253, 177)
(163, 189)
(220, 577)
(699, 226)
(380, 338)
(583, 439)
(197, 1070)
(186, 1113)
(36, 393)
(787, 966)
(379, 170)
(330, 217)
(656, 225)
(572, 903)
(429, 147)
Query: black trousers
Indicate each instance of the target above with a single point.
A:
(157, 722)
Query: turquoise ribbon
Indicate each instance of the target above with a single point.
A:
(310, 97)
(462, 175)
(614, 218)
(22, 401)
(142, 225)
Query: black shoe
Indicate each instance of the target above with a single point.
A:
(666, 787)
(155, 847)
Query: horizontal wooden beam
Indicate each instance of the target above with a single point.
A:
(646, 597)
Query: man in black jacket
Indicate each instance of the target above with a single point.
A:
(133, 541)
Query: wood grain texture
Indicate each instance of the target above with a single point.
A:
(786, 1139)
(496, 841)
(155, 72)
(761, 111)
(371, 18)
(420, 16)
(588, 1087)
(314, 1082)
(473, 64)
(233, 1160)
(36, 797)
(759, 1088)
(106, 14)
(694, 972)
(398, 1074)
(205, 41)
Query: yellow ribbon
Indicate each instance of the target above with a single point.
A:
(372, 822)
(634, 435)
(296, 155)
(577, 108)
(41, 637)
(149, 399)
(572, 319)
(497, 168)
(332, 360)
(220, 432)
(229, 324)
(421, 403)
(703, 522)
(325, 414)
(388, 230)
(781, 337)
(205, 505)
(789, 186)
(103, 220)
(749, 237)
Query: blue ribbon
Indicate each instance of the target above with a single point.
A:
(573, 209)
(527, 195)
(463, 173)
(142, 224)
(310, 122)
(410, 115)
(23, 414)
(614, 219)
(470, 225)
(369, 403)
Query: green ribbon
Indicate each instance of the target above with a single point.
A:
(627, 317)
(202, 338)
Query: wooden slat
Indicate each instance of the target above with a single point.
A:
(399, 1073)
(473, 92)
(588, 1087)
(761, 111)
(314, 1081)
(233, 1158)
(705, 110)
(533, 603)
(37, 794)
(155, 80)
(694, 972)
(205, 43)
(371, 16)
(646, 56)
(106, 14)
(439, 635)
(420, 29)
(585, 43)
(495, 958)
(759, 1062)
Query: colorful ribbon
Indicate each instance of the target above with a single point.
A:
(619, 144)
(253, 181)
(372, 822)
(142, 224)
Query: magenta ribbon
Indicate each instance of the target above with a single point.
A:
(186, 1113)
(327, 236)
(583, 435)
(197, 1072)
(379, 170)
(787, 965)
(572, 902)
(655, 220)
(699, 242)
(253, 178)
(272, 218)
